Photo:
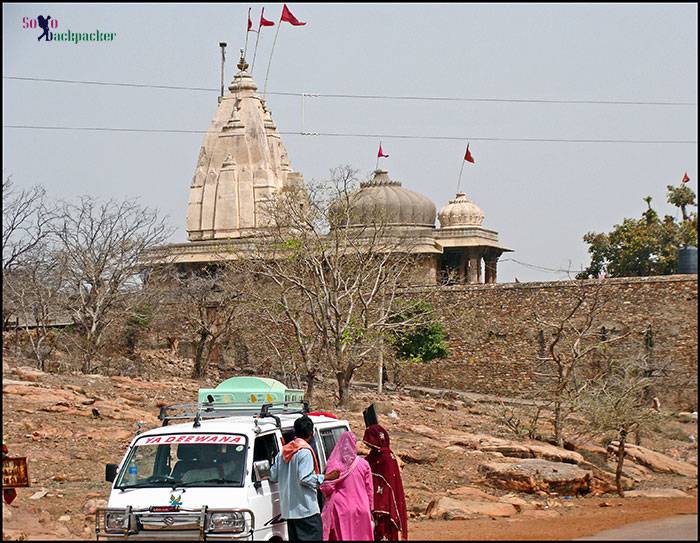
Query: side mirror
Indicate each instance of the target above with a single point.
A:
(110, 472)
(261, 469)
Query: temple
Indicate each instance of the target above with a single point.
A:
(243, 163)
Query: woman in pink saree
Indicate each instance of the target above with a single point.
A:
(347, 512)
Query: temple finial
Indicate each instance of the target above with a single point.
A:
(242, 64)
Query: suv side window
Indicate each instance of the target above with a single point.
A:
(329, 437)
(265, 448)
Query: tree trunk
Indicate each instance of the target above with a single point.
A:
(309, 394)
(343, 388)
(620, 462)
(198, 371)
(557, 425)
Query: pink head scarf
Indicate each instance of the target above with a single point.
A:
(344, 456)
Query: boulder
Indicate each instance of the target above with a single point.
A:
(685, 416)
(446, 508)
(418, 456)
(603, 482)
(515, 449)
(471, 493)
(655, 461)
(633, 471)
(533, 449)
(533, 474)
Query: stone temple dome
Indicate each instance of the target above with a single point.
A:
(460, 212)
(382, 199)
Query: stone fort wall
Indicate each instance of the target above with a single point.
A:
(494, 341)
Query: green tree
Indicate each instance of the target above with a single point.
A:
(423, 342)
(645, 246)
(681, 197)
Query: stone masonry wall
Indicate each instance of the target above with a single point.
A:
(493, 340)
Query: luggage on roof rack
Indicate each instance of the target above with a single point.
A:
(251, 391)
(257, 396)
(210, 410)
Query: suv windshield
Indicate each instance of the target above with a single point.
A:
(185, 460)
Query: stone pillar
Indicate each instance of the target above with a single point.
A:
(463, 267)
(473, 271)
(490, 269)
(478, 267)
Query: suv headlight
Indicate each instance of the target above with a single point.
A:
(116, 521)
(227, 522)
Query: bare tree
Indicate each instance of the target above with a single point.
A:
(26, 220)
(203, 307)
(617, 403)
(102, 248)
(329, 278)
(34, 287)
(571, 343)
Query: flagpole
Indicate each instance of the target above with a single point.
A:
(247, 31)
(267, 74)
(252, 65)
(459, 183)
(376, 167)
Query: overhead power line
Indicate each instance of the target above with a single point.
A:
(358, 135)
(372, 96)
(536, 267)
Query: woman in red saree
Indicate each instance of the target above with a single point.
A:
(389, 501)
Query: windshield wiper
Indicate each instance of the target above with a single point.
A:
(220, 480)
(156, 479)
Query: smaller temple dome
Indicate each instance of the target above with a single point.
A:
(386, 200)
(460, 212)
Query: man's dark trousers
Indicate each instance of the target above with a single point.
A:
(305, 529)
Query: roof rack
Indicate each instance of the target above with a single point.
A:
(213, 410)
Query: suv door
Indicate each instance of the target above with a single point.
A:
(263, 496)
(327, 437)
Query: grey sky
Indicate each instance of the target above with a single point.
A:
(541, 197)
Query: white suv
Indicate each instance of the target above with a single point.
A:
(208, 479)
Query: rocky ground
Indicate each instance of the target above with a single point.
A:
(459, 463)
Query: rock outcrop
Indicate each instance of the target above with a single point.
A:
(535, 475)
(655, 461)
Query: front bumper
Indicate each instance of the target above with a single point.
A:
(180, 525)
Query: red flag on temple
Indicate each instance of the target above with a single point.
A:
(263, 21)
(468, 156)
(288, 17)
(250, 22)
(381, 154)
(685, 178)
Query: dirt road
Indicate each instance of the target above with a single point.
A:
(678, 528)
(578, 522)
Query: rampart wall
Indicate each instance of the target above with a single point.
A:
(494, 341)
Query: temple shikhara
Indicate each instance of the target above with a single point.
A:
(243, 163)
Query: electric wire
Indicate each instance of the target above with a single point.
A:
(536, 267)
(371, 96)
(356, 135)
